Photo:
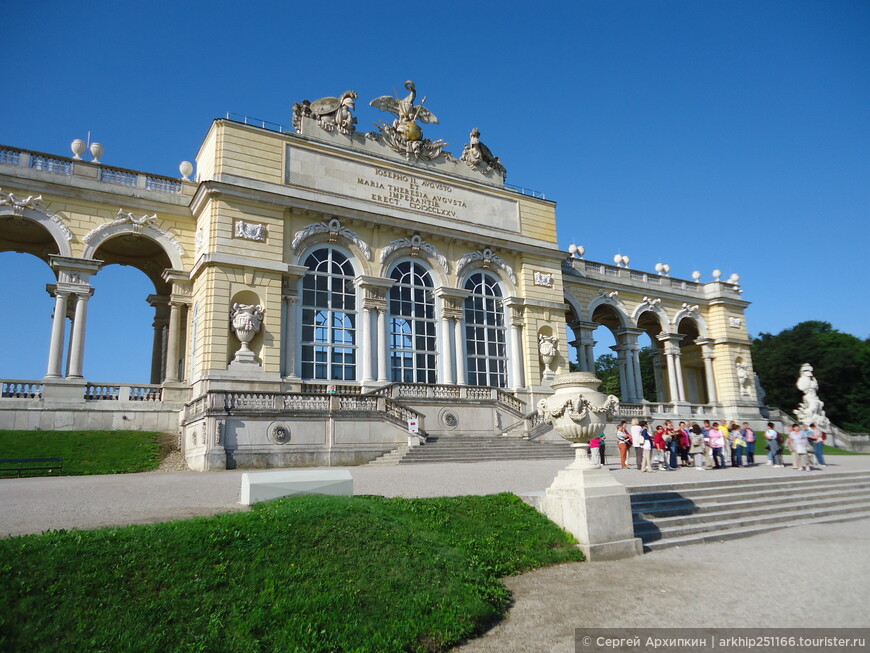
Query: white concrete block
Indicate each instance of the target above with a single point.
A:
(262, 486)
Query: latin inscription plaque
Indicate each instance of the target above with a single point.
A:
(399, 191)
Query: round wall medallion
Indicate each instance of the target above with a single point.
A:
(449, 419)
(279, 433)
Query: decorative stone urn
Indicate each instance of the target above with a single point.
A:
(246, 320)
(584, 498)
(578, 411)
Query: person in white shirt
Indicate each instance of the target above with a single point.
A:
(637, 440)
(797, 442)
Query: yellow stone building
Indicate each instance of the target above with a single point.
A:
(318, 289)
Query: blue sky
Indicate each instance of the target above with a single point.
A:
(731, 135)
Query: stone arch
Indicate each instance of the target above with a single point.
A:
(101, 235)
(439, 274)
(700, 325)
(574, 308)
(487, 261)
(415, 248)
(334, 234)
(607, 302)
(651, 306)
(59, 234)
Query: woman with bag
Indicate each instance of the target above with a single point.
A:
(623, 441)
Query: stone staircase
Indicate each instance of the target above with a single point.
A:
(468, 449)
(679, 514)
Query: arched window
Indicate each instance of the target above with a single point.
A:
(412, 325)
(328, 317)
(485, 332)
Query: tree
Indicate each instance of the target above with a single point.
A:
(841, 364)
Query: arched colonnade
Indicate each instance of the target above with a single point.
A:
(683, 355)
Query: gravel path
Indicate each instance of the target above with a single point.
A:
(33, 505)
(811, 576)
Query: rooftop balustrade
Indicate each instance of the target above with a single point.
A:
(68, 167)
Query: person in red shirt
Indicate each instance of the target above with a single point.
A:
(660, 446)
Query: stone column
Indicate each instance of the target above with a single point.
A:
(447, 358)
(58, 329)
(369, 345)
(634, 357)
(709, 356)
(381, 344)
(659, 377)
(516, 313)
(624, 392)
(460, 354)
(77, 340)
(678, 373)
(172, 341)
(675, 371)
(291, 337)
(519, 381)
(161, 319)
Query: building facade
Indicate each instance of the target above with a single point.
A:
(317, 289)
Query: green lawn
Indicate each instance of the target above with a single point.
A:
(301, 574)
(86, 452)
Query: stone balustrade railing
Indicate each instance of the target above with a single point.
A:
(441, 392)
(23, 389)
(613, 272)
(61, 165)
(13, 389)
(276, 402)
(120, 392)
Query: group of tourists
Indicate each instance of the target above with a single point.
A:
(709, 445)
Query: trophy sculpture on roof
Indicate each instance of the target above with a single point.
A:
(404, 135)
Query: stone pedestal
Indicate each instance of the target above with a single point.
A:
(245, 361)
(589, 503)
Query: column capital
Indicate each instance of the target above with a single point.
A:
(583, 324)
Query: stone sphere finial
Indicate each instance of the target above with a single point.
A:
(666, 269)
(617, 259)
(659, 267)
(735, 279)
(696, 275)
(717, 274)
(626, 261)
(572, 249)
(78, 147)
(185, 168)
(581, 251)
(97, 151)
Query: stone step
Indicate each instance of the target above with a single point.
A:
(788, 476)
(745, 522)
(663, 503)
(743, 510)
(476, 449)
(678, 514)
(747, 531)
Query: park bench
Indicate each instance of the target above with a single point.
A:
(28, 465)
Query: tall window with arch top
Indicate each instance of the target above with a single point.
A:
(328, 317)
(412, 324)
(485, 332)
